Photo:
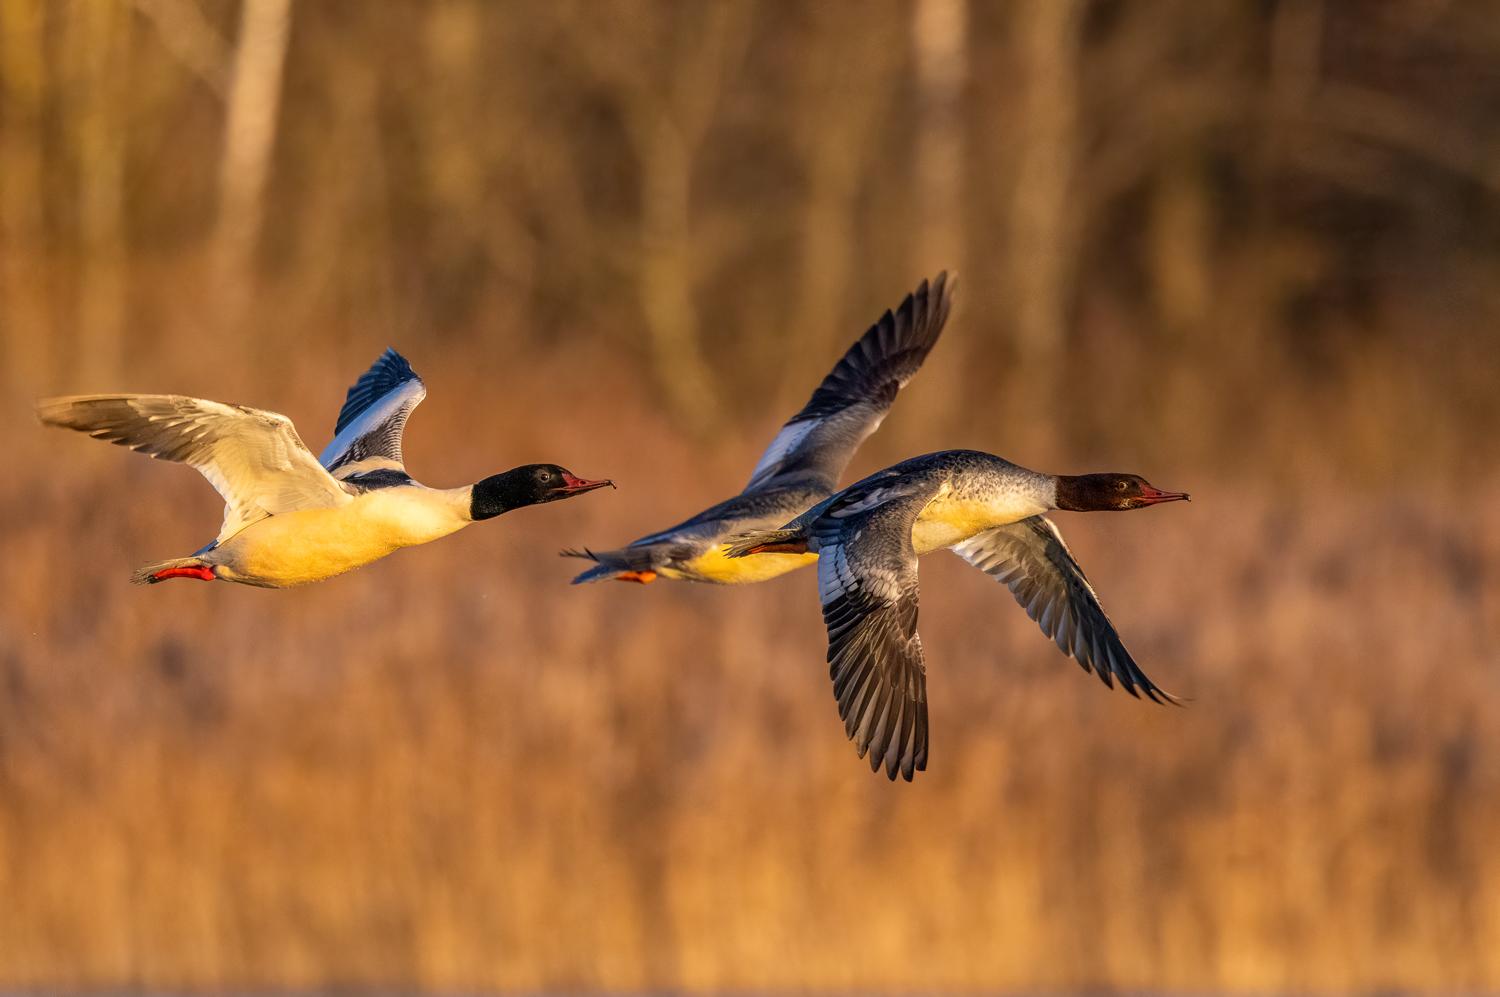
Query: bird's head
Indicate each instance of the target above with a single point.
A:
(530, 484)
(1110, 492)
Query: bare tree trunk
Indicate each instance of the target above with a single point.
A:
(940, 32)
(1043, 227)
(249, 138)
(940, 29)
(96, 39)
(25, 333)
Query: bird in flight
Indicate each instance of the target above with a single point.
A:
(990, 512)
(803, 463)
(291, 518)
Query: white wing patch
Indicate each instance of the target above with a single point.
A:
(373, 440)
(786, 441)
(879, 496)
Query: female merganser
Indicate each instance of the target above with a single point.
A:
(988, 511)
(289, 518)
(803, 463)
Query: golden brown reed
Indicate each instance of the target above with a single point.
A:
(1247, 249)
(450, 770)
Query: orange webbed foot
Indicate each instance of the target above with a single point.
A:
(642, 577)
(203, 574)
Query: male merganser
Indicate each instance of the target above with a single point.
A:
(991, 513)
(802, 464)
(290, 518)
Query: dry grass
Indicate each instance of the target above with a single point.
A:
(450, 770)
(1245, 248)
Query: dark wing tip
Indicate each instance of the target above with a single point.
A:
(393, 359)
(888, 354)
(1158, 695)
(1116, 661)
(880, 693)
(927, 309)
(389, 371)
(918, 321)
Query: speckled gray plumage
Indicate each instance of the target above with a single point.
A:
(867, 579)
(868, 584)
(678, 545)
(968, 473)
(803, 463)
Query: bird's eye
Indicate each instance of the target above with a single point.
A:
(1120, 486)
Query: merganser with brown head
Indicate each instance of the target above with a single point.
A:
(290, 518)
(803, 463)
(990, 512)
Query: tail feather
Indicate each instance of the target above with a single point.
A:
(598, 573)
(177, 567)
(611, 563)
(788, 541)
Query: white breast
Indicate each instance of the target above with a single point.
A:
(314, 544)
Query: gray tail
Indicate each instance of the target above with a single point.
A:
(152, 573)
(609, 563)
(785, 541)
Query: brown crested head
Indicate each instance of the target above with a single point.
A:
(1110, 493)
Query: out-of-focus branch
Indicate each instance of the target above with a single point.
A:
(1043, 226)
(666, 123)
(96, 38)
(1369, 115)
(25, 340)
(191, 39)
(940, 35)
(469, 127)
(845, 83)
(249, 136)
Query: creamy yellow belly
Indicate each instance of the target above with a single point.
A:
(947, 521)
(310, 545)
(713, 566)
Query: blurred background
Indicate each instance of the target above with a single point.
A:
(1245, 248)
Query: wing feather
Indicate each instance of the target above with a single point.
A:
(1031, 559)
(867, 580)
(818, 442)
(254, 459)
(368, 433)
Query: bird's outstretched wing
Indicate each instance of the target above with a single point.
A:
(367, 436)
(818, 442)
(1031, 558)
(253, 458)
(867, 580)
